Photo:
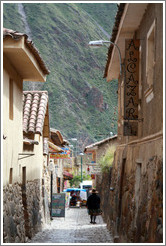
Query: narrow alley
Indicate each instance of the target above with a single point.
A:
(74, 228)
(82, 122)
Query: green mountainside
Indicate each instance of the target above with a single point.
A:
(82, 104)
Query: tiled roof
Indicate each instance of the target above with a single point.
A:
(16, 36)
(118, 17)
(100, 142)
(57, 138)
(34, 110)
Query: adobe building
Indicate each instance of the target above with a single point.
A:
(97, 150)
(21, 62)
(136, 200)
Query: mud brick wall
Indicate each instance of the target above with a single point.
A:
(13, 221)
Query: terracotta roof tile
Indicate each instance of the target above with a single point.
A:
(34, 110)
(16, 36)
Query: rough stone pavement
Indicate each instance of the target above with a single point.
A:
(74, 228)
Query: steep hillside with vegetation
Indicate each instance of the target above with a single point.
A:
(103, 14)
(81, 103)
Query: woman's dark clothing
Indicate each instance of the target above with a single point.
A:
(93, 202)
(93, 205)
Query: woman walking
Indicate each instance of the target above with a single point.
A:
(93, 205)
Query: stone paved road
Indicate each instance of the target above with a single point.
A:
(74, 228)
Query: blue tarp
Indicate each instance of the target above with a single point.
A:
(74, 189)
(83, 192)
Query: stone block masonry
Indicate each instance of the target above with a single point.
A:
(22, 211)
(33, 207)
(13, 215)
(133, 210)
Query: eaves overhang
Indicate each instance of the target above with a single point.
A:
(54, 148)
(57, 138)
(90, 149)
(23, 59)
(129, 23)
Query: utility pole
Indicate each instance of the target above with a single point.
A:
(81, 154)
(81, 169)
(51, 193)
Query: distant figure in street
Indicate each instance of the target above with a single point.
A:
(93, 205)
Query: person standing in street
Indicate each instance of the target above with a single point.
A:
(93, 205)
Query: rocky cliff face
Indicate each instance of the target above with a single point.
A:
(95, 98)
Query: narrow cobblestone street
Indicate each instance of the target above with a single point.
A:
(74, 228)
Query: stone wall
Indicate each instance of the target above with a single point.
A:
(13, 216)
(103, 187)
(133, 211)
(22, 211)
(34, 207)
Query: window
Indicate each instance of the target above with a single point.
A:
(150, 58)
(11, 99)
(11, 176)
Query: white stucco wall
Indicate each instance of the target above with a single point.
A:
(12, 129)
(33, 163)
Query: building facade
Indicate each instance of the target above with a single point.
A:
(98, 150)
(62, 161)
(35, 159)
(137, 175)
(21, 62)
